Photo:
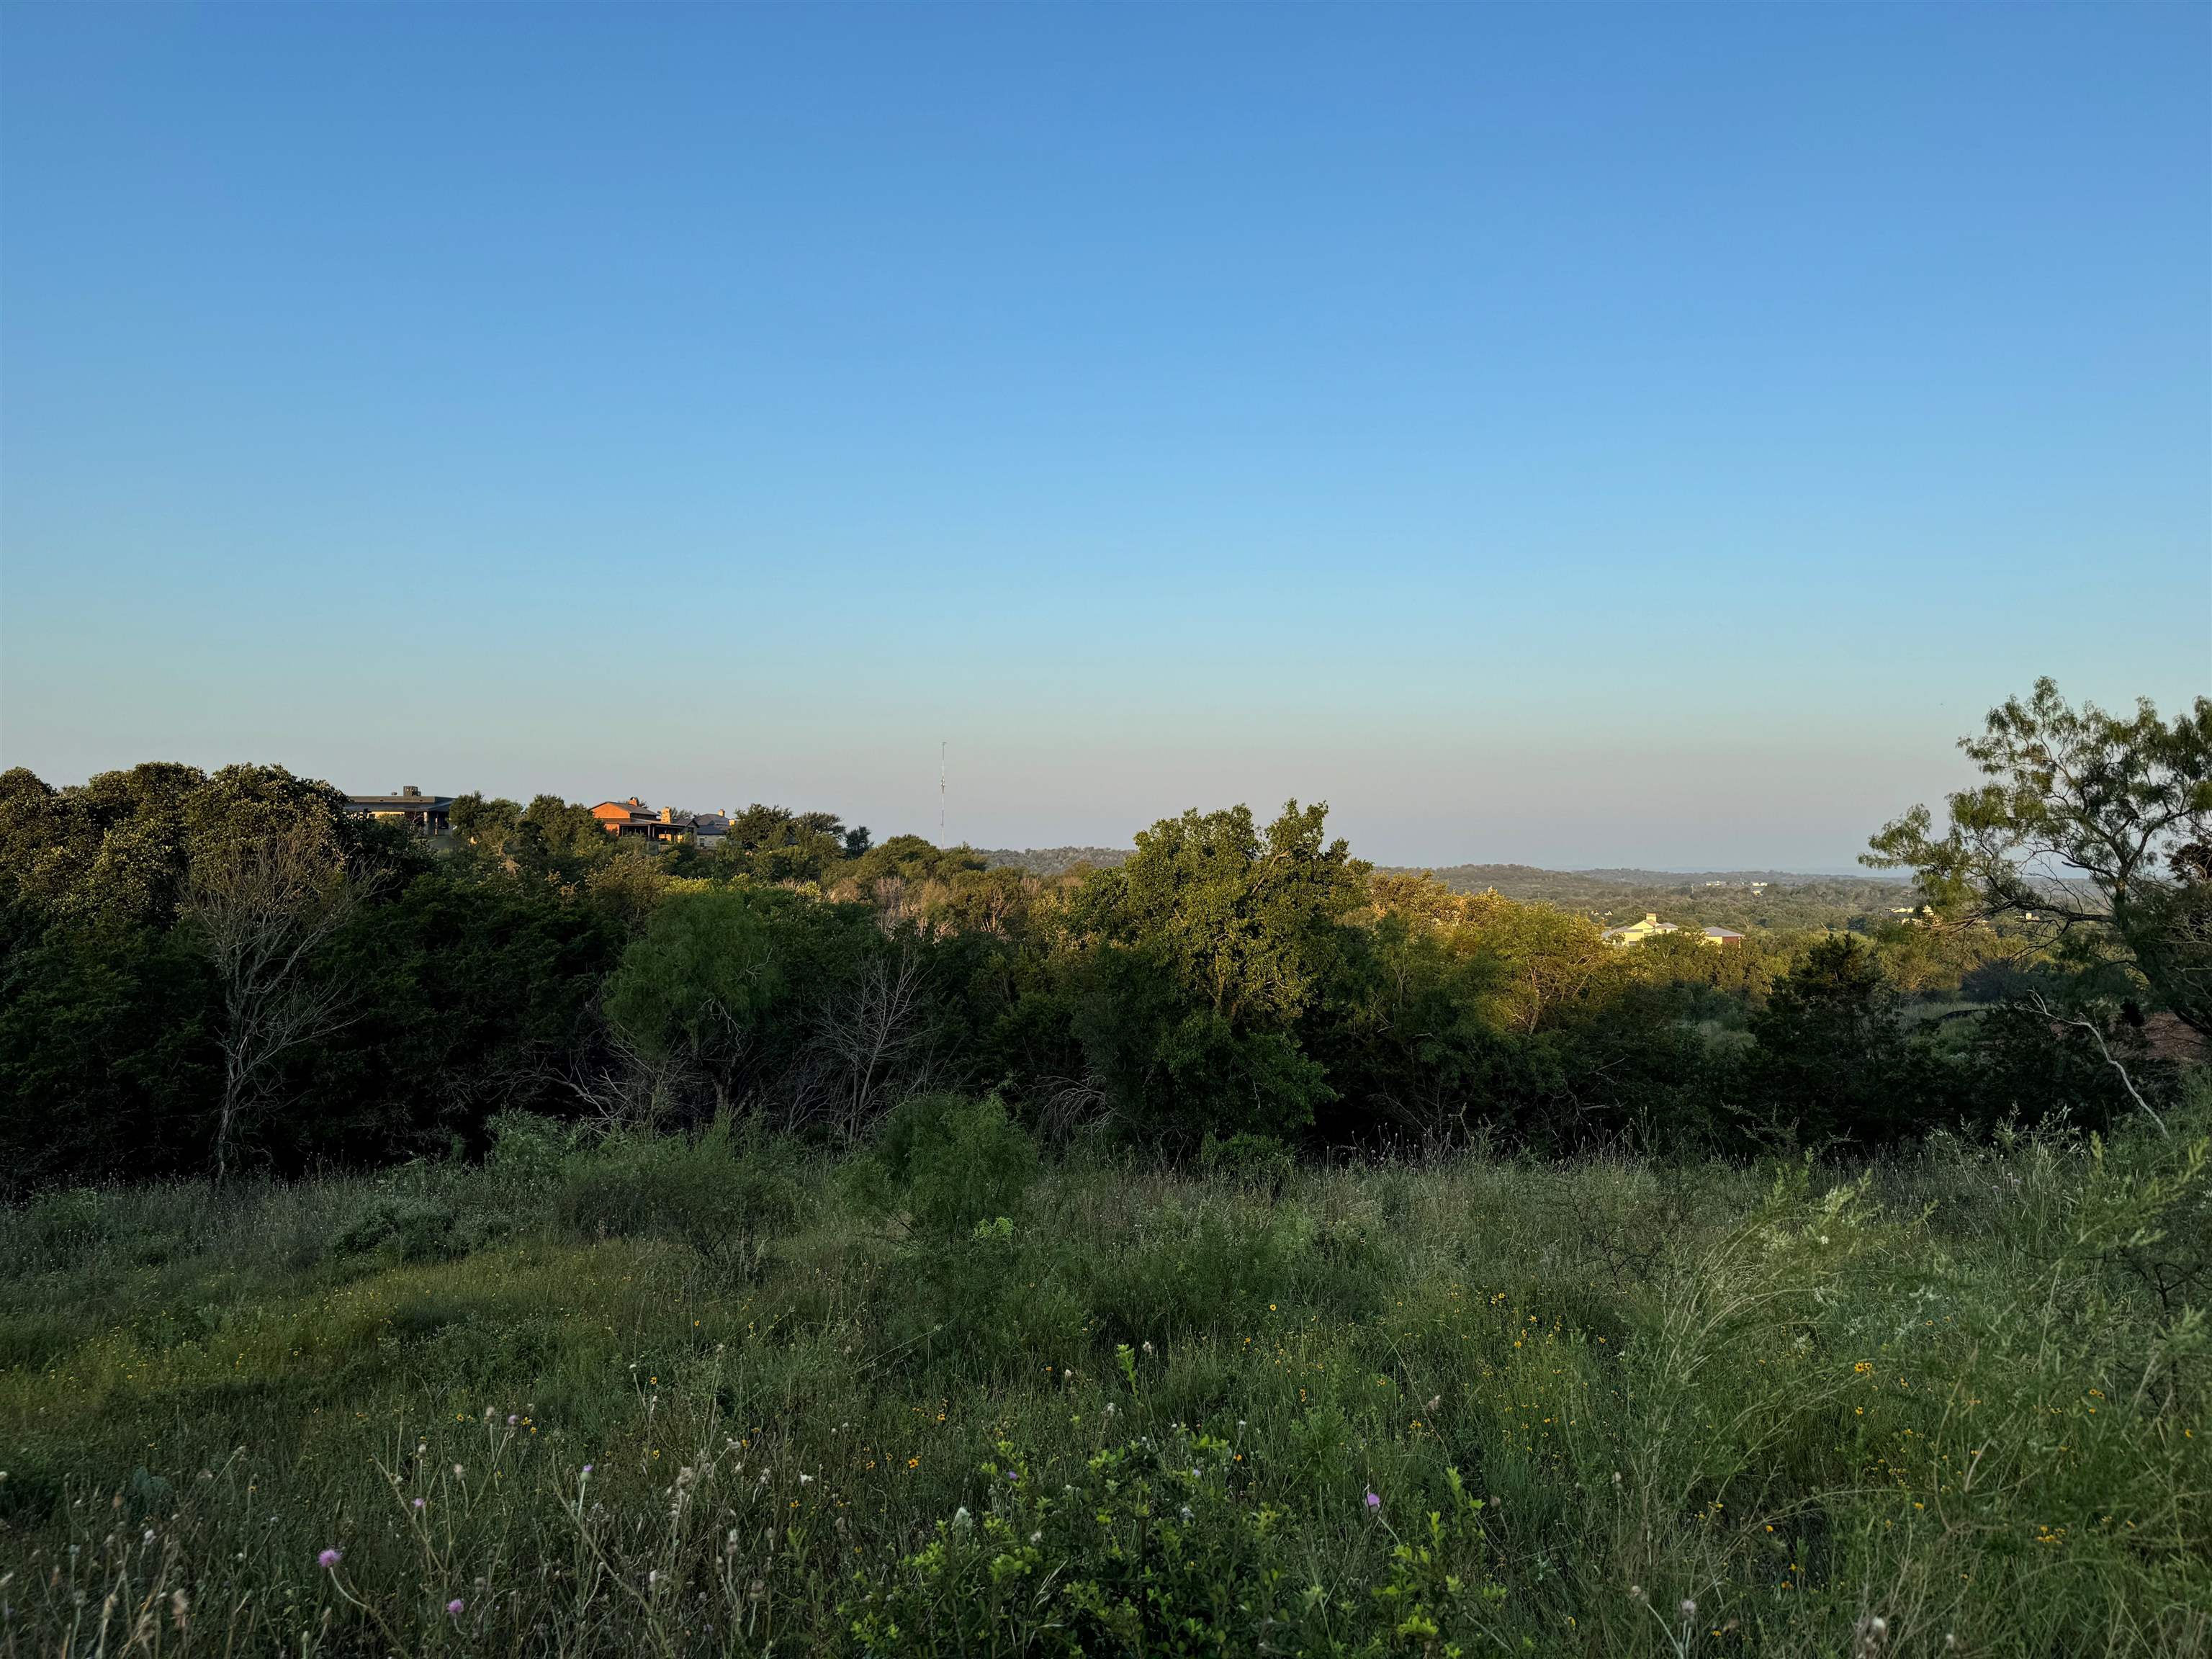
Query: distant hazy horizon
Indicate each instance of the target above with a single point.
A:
(1576, 436)
(1363, 846)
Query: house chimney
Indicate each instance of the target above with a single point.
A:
(408, 789)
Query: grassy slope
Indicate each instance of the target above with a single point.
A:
(1797, 1410)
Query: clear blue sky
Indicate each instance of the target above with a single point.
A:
(1570, 435)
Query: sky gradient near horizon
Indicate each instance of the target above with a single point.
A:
(1572, 435)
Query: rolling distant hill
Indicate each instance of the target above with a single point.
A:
(1734, 898)
(1778, 899)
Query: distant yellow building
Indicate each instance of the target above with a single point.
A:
(1636, 933)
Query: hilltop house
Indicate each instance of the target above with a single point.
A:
(426, 815)
(633, 818)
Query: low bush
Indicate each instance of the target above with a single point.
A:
(412, 1228)
(1260, 1162)
(723, 1191)
(959, 1161)
(58, 1227)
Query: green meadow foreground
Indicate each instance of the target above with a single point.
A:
(720, 1395)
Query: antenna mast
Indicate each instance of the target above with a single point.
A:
(940, 793)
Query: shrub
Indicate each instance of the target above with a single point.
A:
(960, 1161)
(1260, 1162)
(1164, 1547)
(526, 1151)
(414, 1229)
(64, 1225)
(722, 1192)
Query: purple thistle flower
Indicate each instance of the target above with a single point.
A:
(1373, 1501)
(510, 1420)
(587, 1468)
(418, 1503)
(330, 1559)
(453, 1607)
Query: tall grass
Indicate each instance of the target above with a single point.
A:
(671, 1398)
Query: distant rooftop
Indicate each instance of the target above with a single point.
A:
(406, 799)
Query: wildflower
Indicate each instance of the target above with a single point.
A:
(329, 1558)
(961, 1519)
(1689, 1608)
(1147, 1350)
(512, 1420)
(457, 1471)
(149, 1537)
(1037, 1538)
(179, 1609)
(1186, 1515)
(806, 1480)
(1636, 1592)
(418, 1503)
(453, 1607)
(1373, 1501)
(587, 1468)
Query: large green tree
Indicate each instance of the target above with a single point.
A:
(2087, 825)
(1210, 948)
(1833, 1062)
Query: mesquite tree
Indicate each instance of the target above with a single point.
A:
(2087, 824)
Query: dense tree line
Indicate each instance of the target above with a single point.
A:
(217, 969)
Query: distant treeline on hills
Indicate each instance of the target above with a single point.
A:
(1051, 860)
(1783, 899)
(1780, 898)
(1731, 877)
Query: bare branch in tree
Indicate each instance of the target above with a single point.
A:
(869, 1031)
(262, 908)
(2082, 1022)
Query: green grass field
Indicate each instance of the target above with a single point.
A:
(667, 1397)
